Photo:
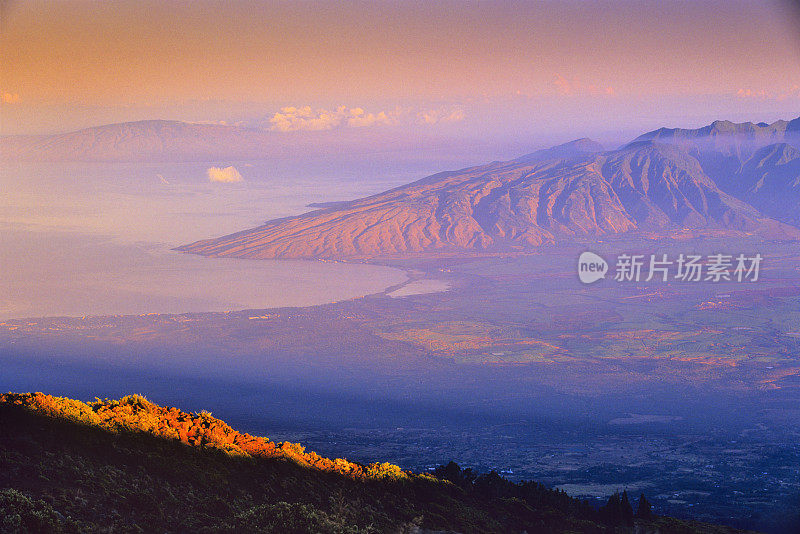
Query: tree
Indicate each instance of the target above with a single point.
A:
(451, 472)
(610, 513)
(469, 476)
(626, 510)
(644, 510)
(617, 511)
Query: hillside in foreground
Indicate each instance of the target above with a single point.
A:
(129, 465)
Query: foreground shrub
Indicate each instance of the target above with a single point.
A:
(288, 518)
(22, 515)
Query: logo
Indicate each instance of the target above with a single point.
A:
(684, 268)
(591, 267)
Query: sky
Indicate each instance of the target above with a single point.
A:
(505, 70)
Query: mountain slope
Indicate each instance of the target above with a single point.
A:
(552, 195)
(662, 185)
(132, 466)
(770, 181)
(757, 163)
(572, 149)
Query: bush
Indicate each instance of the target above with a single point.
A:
(21, 515)
(288, 518)
(386, 470)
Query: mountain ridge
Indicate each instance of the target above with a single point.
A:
(723, 129)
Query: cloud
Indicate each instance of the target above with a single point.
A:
(358, 117)
(763, 94)
(9, 98)
(306, 118)
(750, 93)
(573, 86)
(440, 115)
(226, 175)
(291, 119)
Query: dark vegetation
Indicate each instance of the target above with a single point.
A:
(132, 466)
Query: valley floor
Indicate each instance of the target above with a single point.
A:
(685, 391)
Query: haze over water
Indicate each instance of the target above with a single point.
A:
(96, 239)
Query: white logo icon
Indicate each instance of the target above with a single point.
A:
(591, 267)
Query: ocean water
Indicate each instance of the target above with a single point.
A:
(61, 274)
(96, 238)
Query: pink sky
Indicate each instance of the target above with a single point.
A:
(459, 68)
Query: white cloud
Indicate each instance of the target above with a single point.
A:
(226, 175)
(9, 98)
(306, 118)
(291, 119)
(358, 117)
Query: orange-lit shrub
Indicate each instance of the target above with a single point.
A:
(134, 413)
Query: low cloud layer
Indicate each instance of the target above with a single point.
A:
(359, 117)
(762, 94)
(224, 175)
(306, 118)
(292, 119)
